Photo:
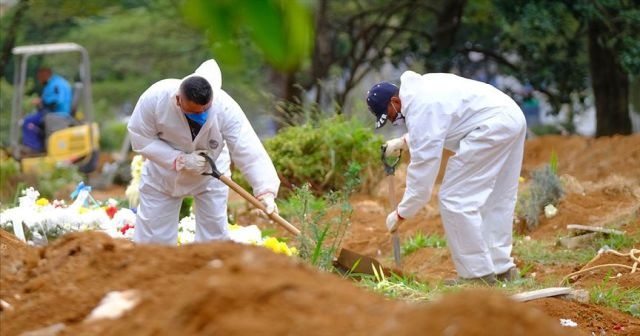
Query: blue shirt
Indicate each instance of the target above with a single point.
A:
(56, 95)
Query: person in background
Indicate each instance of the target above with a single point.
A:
(173, 123)
(53, 103)
(530, 106)
(486, 130)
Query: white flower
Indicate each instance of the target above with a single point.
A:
(550, 211)
(246, 234)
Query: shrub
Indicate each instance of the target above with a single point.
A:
(9, 177)
(545, 188)
(319, 155)
(112, 135)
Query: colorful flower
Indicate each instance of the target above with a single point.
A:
(42, 201)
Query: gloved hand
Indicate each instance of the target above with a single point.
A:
(192, 163)
(395, 146)
(269, 202)
(393, 221)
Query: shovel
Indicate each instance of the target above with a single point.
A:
(390, 169)
(246, 195)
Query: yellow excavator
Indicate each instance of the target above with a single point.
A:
(77, 144)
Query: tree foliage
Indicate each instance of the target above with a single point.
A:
(281, 30)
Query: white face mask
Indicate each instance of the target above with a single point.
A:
(399, 121)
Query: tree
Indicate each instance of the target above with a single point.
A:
(613, 55)
(11, 31)
(46, 21)
(558, 42)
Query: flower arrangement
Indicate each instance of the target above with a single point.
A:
(36, 220)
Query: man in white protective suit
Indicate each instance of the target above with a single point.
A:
(486, 130)
(173, 122)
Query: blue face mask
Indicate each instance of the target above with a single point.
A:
(199, 118)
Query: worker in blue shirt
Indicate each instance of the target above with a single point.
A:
(54, 99)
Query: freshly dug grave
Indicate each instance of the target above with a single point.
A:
(226, 289)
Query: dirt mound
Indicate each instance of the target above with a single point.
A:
(588, 159)
(230, 289)
(16, 258)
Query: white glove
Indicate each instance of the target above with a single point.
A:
(395, 146)
(192, 163)
(393, 221)
(269, 202)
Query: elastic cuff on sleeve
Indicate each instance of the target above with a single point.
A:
(398, 214)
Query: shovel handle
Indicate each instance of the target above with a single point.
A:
(247, 196)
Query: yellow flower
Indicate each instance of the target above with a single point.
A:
(278, 246)
(42, 201)
(521, 179)
(233, 227)
(83, 210)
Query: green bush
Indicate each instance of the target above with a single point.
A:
(545, 188)
(112, 135)
(319, 155)
(9, 178)
(5, 111)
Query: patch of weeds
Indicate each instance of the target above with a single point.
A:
(519, 286)
(322, 231)
(547, 253)
(421, 240)
(398, 287)
(545, 188)
(616, 242)
(614, 296)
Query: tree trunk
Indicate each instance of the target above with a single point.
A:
(610, 84)
(287, 107)
(10, 34)
(322, 50)
(449, 21)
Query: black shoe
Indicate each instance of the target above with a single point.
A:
(511, 274)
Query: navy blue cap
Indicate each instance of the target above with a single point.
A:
(378, 99)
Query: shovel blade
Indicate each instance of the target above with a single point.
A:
(352, 262)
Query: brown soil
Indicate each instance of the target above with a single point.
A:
(253, 291)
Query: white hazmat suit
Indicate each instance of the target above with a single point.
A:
(160, 132)
(486, 130)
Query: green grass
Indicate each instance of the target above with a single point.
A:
(547, 253)
(421, 240)
(398, 287)
(625, 300)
